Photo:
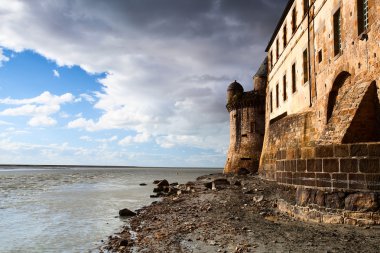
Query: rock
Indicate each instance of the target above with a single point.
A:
(163, 183)
(156, 181)
(123, 243)
(243, 171)
(174, 184)
(237, 183)
(143, 184)
(335, 200)
(365, 202)
(126, 213)
(258, 198)
(154, 196)
(208, 185)
(249, 192)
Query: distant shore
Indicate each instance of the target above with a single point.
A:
(235, 214)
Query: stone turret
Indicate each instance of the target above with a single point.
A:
(247, 110)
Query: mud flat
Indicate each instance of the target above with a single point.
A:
(225, 213)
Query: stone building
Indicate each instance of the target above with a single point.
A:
(322, 111)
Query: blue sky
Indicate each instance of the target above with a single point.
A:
(114, 83)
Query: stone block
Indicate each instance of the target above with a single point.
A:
(349, 221)
(358, 215)
(324, 151)
(348, 165)
(373, 181)
(332, 219)
(301, 165)
(365, 202)
(341, 150)
(320, 198)
(330, 165)
(340, 180)
(279, 166)
(304, 196)
(307, 153)
(356, 182)
(314, 165)
(323, 180)
(370, 165)
(359, 150)
(374, 150)
(290, 154)
(335, 200)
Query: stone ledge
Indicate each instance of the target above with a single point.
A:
(324, 215)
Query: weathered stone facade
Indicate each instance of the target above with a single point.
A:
(322, 112)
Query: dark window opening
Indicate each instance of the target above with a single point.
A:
(244, 135)
(337, 33)
(271, 59)
(284, 36)
(271, 102)
(294, 20)
(294, 83)
(305, 67)
(285, 95)
(362, 16)
(277, 50)
(305, 7)
(245, 159)
(277, 95)
(320, 56)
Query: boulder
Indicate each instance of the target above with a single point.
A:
(335, 200)
(163, 183)
(126, 213)
(365, 202)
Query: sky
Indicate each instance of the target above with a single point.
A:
(125, 82)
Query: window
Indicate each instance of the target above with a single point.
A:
(284, 36)
(271, 102)
(305, 67)
(362, 16)
(294, 20)
(337, 33)
(285, 95)
(294, 84)
(320, 56)
(277, 95)
(277, 50)
(305, 7)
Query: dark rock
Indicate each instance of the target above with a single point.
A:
(126, 212)
(237, 183)
(156, 181)
(156, 190)
(174, 184)
(243, 171)
(154, 196)
(123, 243)
(365, 202)
(335, 200)
(208, 185)
(221, 181)
(143, 184)
(163, 183)
(249, 192)
(320, 198)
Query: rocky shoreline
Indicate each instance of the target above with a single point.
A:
(231, 213)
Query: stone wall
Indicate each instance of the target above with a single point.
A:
(332, 167)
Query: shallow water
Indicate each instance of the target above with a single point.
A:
(73, 209)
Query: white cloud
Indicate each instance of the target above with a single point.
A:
(85, 138)
(139, 138)
(39, 108)
(3, 58)
(87, 97)
(41, 121)
(56, 73)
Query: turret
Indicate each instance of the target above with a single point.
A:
(234, 91)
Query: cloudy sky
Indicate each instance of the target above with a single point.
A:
(125, 82)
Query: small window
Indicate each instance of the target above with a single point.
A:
(305, 67)
(294, 84)
(271, 102)
(277, 50)
(294, 20)
(320, 56)
(362, 16)
(285, 95)
(337, 33)
(284, 36)
(305, 7)
(277, 95)
(271, 59)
